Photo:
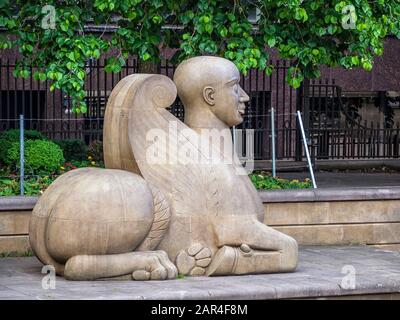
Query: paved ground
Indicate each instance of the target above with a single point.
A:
(334, 180)
(319, 274)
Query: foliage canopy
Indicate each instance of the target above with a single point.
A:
(311, 32)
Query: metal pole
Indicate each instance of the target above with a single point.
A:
(303, 134)
(273, 142)
(21, 153)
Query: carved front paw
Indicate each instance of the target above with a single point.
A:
(158, 267)
(194, 260)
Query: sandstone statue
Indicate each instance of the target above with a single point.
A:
(147, 219)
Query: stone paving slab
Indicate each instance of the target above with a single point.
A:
(319, 274)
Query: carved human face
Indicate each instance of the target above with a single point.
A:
(227, 99)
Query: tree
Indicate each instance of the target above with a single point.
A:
(52, 34)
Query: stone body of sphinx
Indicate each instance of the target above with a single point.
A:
(170, 199)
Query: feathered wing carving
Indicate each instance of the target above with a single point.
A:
(117, 149)
(162, 216)
(181, 170)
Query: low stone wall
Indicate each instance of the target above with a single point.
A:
(368, 216)
(15, 213)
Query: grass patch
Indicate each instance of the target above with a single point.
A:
(14, 254)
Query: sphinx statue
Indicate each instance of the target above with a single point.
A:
(183, 206)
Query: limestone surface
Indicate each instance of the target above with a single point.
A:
(322, 273)
(174, 197)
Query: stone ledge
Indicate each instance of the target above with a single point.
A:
(305, 195)
(17, 203)
(331, 194)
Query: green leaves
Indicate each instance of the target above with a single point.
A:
(186, 17)
(295, 77)
(64, 25)
(312, 33)
(301, 14)
(271, 41)
(157, 19)
(146, 56)
(41, 76)
(264, 181)
(114, 64)
(223, 32)
(366, 64)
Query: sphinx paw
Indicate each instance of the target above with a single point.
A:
(158, 267)
(141, 275)
(194, 260)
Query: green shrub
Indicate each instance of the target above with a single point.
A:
(13, 135)
(73, 149)
(9, 187)
(264, 181)
(41, 156)
(96, 151)
(7, 138)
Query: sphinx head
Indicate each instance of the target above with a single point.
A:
(210, 86)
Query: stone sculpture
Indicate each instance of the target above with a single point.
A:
(144, 219)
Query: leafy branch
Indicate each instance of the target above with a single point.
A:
(310, 32)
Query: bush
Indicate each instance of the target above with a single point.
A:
(13, 135)
(73, 150)
(41, 156)
(263, 181)
(7, 138)
(9, 187)
(96, 151)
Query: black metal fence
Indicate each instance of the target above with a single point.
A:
(51, 111)
(337, 131)
(334, 131)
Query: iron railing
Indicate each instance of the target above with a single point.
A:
(333, 130)
(338, 133)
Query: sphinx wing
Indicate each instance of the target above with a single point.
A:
(167, 152)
